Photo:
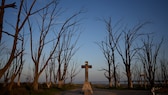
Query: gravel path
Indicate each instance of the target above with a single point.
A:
(108, 92)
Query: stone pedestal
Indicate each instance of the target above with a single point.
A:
(87, 89)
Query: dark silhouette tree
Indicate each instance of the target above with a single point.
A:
(129, 50)
(108, 48)
(39, 55)
(164, 70)
(149, 58)
(66, 50)
(17, 28)
(73, 72)
(45, 24)
(2, 11)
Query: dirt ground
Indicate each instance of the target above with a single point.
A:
(108, 92)
(111, 92)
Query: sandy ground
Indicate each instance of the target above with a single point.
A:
(109, 92)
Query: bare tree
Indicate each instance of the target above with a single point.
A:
(21, 58)
(73, 71)
(2, 11)
(48, 72)
(46, 22)
(129, 51)
(29, 75)
(54, 70)
(6, 77)
(20, 23)
(164, 70)
(137, 73)
(15, 69)
(108, 48)
(66, 50)
(149, 58)
(38, 56)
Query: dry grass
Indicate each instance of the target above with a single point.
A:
(26, 89)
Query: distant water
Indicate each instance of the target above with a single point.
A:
(100, 82)
(93, 82)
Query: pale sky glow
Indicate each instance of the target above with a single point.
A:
(130, 11)
(93, 30)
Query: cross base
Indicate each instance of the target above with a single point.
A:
(87, 89)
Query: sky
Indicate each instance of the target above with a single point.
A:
(93, 30)
(130, 11)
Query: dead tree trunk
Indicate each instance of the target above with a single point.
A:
(48, 16)
(108, 48)
(19, 26)
(130, 51)
(129, 78)
(35, 82)
(2, 11)
(149, 58)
